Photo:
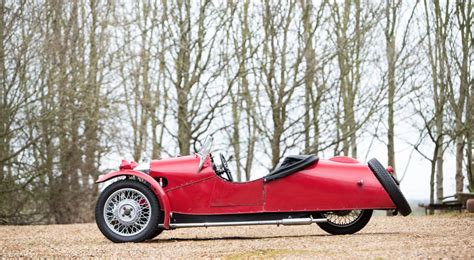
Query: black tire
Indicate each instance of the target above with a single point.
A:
(352, 228)
(144, 234)
(390, 186)
(157, 231)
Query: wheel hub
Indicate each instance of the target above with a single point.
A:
(127, 211)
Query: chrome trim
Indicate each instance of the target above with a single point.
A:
(205, 150)
(285, 222)
(201, 162)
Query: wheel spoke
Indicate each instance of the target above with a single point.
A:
(343, 218)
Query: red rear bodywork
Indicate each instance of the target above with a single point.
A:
(326, 185)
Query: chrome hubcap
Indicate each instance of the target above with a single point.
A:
(343, 218)
(127, 212)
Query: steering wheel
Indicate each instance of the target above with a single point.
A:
(225, 167)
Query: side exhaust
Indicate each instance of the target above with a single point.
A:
(285, 222)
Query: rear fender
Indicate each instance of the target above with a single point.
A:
(155, 186)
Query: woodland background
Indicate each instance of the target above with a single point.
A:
(86, 82)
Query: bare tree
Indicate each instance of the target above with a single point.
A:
(351, 28)
(460, 105)
(247, 51)
(314, 87)
(279, 75)
(392, 8)
(438, 74)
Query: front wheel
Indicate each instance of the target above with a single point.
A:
(344, 222)
(127, 211)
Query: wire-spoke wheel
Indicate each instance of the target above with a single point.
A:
(345, 221)
(127, 211)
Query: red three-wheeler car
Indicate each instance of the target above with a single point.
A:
(338, 194)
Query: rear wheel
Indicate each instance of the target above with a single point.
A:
(344, 222)
(127, 211)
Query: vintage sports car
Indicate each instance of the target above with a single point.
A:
(338, 194)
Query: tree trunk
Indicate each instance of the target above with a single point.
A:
(310, 59)
(439, 165)
(3, 97)
(184, 131)
(464, 17)
(349, 48)
(235, 140)
(391, 53)
(432, 177)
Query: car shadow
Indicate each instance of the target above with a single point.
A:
(178, 239)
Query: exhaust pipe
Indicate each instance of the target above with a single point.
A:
(285, 222)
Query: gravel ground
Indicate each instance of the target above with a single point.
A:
(449, 235)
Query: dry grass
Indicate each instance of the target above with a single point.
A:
(384, 237)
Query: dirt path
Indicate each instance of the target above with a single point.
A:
(386, 237)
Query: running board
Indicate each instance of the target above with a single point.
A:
(285, 222)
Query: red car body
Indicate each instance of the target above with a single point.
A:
(339, 183)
